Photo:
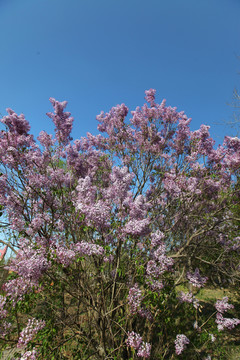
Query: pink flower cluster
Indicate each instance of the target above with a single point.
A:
(62, 120)
(3, 311)
(28, 333)
(135, 341)
(159, 263)
(196, 279)
(30, 355)
(180, 343)
(4, 328)
(189, 298)
(134, 299)
(223, 305)
(225, 323)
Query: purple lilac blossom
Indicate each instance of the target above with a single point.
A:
(62, 120)
(137, 227)
(145, 313)
(16, 124)
(30, 263)
(64, 255)
(189, 298)
(28, 333)
(150, 96)
(4, 328)
(144, 350)
(196, 279)
(135, 341)
(3, 312)
(84, 248)
(156, 238)
(134, 299)
(180, 343)
(15, 289)
(222, 305)
(227, 323)
(30, 355)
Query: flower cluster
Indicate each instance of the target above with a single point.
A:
(189, 298)
(4, 328)
(63, 121)
(196, 279)
(180, 343)
(223, 305)
(84, 248)
(134, 299)
(225, 323)
(28, 333)
(135, 341)
(15, 289)
(30, 355)
(157, 238)
(3, 311)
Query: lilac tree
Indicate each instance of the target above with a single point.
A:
(105, 229)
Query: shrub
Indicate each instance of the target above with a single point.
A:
(106, 227)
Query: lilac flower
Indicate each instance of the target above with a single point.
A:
(189, 298)
(227, 323)
(134, 299)
(45, 139)
(222, 305)
(137, 227)
(16, 288)
(96, 212)
(30, 263)
(180, 343)
(144, 350)
(84, 248)
(150, 96)
(121, 181)
(196, 279)
(62, 120)
(4, 328)
(3, 312)
(145, 313)
(156, 238)
(165, 262)
(161, 262)
(64, 255)
(30, 355)
(28, 333)
(135, 341)
(153, 269)
(16, 124)
(138, 208)
(155, 285)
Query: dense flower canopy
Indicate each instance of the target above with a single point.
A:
(114, 223)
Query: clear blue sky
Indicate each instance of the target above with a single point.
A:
(99, 53)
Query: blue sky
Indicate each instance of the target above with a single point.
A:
(99, 53)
